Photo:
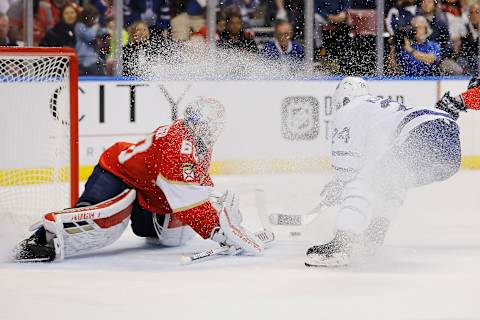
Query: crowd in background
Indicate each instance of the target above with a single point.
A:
(422, 37)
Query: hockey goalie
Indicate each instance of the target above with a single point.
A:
(380, 150)
(161, 184)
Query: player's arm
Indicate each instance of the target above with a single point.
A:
(469, 99)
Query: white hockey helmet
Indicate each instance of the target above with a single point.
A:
(206, 118)
(348, 89)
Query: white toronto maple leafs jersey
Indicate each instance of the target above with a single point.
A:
(366, 128)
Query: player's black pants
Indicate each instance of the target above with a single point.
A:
(102, 185)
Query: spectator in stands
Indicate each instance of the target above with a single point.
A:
(400, 15)
(333, 38)
(88, 32)
(234, 36)
(105, 10)
(456, 21)
(155, 13)
(419, 56)
(138, 45)
(438, 23)
(245, 7)
(4, 27)
(42, 20)
(202, 34)
(56, 8)
(283, 48)
(290, 10)
(63, 33)
(468, 56)
(440, 34)
(187, 17)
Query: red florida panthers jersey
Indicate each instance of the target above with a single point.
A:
(169, 174)
(472, 98)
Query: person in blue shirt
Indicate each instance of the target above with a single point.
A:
(87, 33)
(283, 48)
(419, 56)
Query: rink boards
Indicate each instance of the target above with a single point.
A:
(272, 126)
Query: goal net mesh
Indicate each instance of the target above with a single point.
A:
(34, 136)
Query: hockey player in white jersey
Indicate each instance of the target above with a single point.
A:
(380, 149)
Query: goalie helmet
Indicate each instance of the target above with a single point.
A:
(205, 117)
(348, 89)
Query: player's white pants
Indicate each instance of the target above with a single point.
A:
(363, 201)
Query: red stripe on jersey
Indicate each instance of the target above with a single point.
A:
(117, 218)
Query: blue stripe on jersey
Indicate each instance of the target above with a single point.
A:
(416, 114)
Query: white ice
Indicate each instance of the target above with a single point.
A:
(428, 269)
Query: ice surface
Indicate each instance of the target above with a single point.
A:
(429, 268)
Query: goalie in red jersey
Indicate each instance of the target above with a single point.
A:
(468, 100)
(161, 184)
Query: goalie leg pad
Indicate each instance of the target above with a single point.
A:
(80, 230)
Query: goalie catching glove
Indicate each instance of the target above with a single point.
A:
(231, 233)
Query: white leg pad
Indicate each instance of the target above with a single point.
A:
(80, 230)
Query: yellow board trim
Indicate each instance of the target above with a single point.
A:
(19, 177)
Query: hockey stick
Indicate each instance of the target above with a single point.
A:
(262, 209)
(297, 219)
(282, 218)
(265, 236)
(207, 255)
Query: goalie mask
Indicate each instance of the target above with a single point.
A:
(348, 89)
(205, 117)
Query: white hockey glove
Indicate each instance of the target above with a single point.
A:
(231, 232)
(332, 193)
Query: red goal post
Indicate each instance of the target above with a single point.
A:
(37, 80)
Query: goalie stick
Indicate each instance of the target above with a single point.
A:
(265, 236)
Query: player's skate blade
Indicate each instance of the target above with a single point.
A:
(338, 259)
(30, 251)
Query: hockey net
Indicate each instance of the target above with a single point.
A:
(38, 132)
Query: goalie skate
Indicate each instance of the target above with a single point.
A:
(335, 253)
(30, 250)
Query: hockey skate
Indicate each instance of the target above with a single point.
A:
(335, 253)
(33, 250)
